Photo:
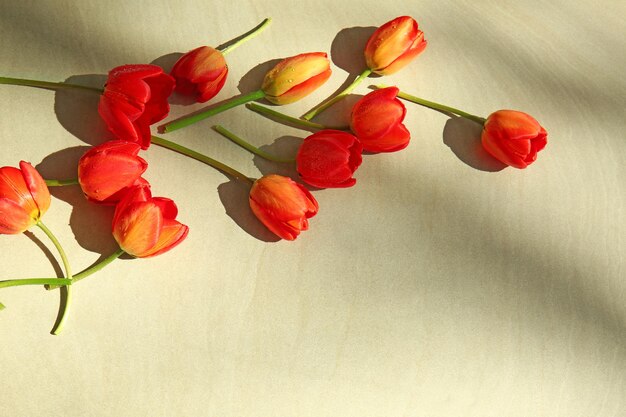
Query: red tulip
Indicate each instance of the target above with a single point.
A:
(295, 77)
(282, 205)
(328, 159)
(145, 226)
(105, 172)
(201, 72)
(135, 96)
(377, 121)
(24, 198)
(394, 45)
(513, 137)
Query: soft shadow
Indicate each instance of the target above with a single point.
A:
(462, 136)
(90, 222)
(347, 48)
(253, 79)
(285, 147)
(46, 251)
(234, 197)
(341, 111)
(77, 110)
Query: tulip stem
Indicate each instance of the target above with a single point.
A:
(46, 84)
(248, 146)
(438, 106)
(247, 36)
(92, 269)
(60, 183)
(299, 123)
(65, 307)
(211, 111)
(326, 104)
(59, 282)
(202, 158)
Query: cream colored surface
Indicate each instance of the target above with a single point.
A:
(434, 287)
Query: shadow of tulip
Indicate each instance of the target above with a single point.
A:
(90, 222)
(462, 136)
(253, 79)
(285, 147)
(341, 112)
(77, 110)
(234, 196)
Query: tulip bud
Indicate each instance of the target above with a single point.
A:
(145, 226)
(282, 205)
(105, 172)
(513, 137)
(394, 45)
(295, 77)
(201, 72)
(328, 159)
(135, 96)
(377, 121)
(24, 198)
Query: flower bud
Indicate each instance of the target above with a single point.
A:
(394, 45)
(145, 226)
(328, 159)
(135, 96)
(200, 73)
(24, 198)
(295, 77)
(105, 172)
(377, 121)
(282, 205)
(513, 137)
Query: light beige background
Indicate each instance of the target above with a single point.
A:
(437, 286)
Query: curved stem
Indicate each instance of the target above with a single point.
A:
(304, 124)
(92, 269)
(202, 158)
(438, 106)
(65, 308)
(212, 111)
(323, 106)
(58, 282)
(246, 145)
(60, 183)
(46, 84)
(247, 36)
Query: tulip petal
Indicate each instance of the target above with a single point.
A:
(167, 206)
(137, 193)
(172, 234)
(390, 41)
(13, 187)
(138, 227)
(13, 218)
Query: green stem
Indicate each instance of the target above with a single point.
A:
(58, 282)
(60, 183)
(323, 106)
(92, 269)
(46, 84)
(202, 158)
(438, 106)
(246, 145)
(247, 36)
(65, 308)
(212, 111)
(305, 124)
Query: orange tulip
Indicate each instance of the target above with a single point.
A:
(201, 72)
(24, 198)
(377, 121)
(394, 45)
(105, 172)
(513, 137)
(282, 205)
(295, 77)
(145, 226)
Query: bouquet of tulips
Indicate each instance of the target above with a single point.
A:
(135, 98)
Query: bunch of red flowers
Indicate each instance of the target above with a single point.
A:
(135, 97)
